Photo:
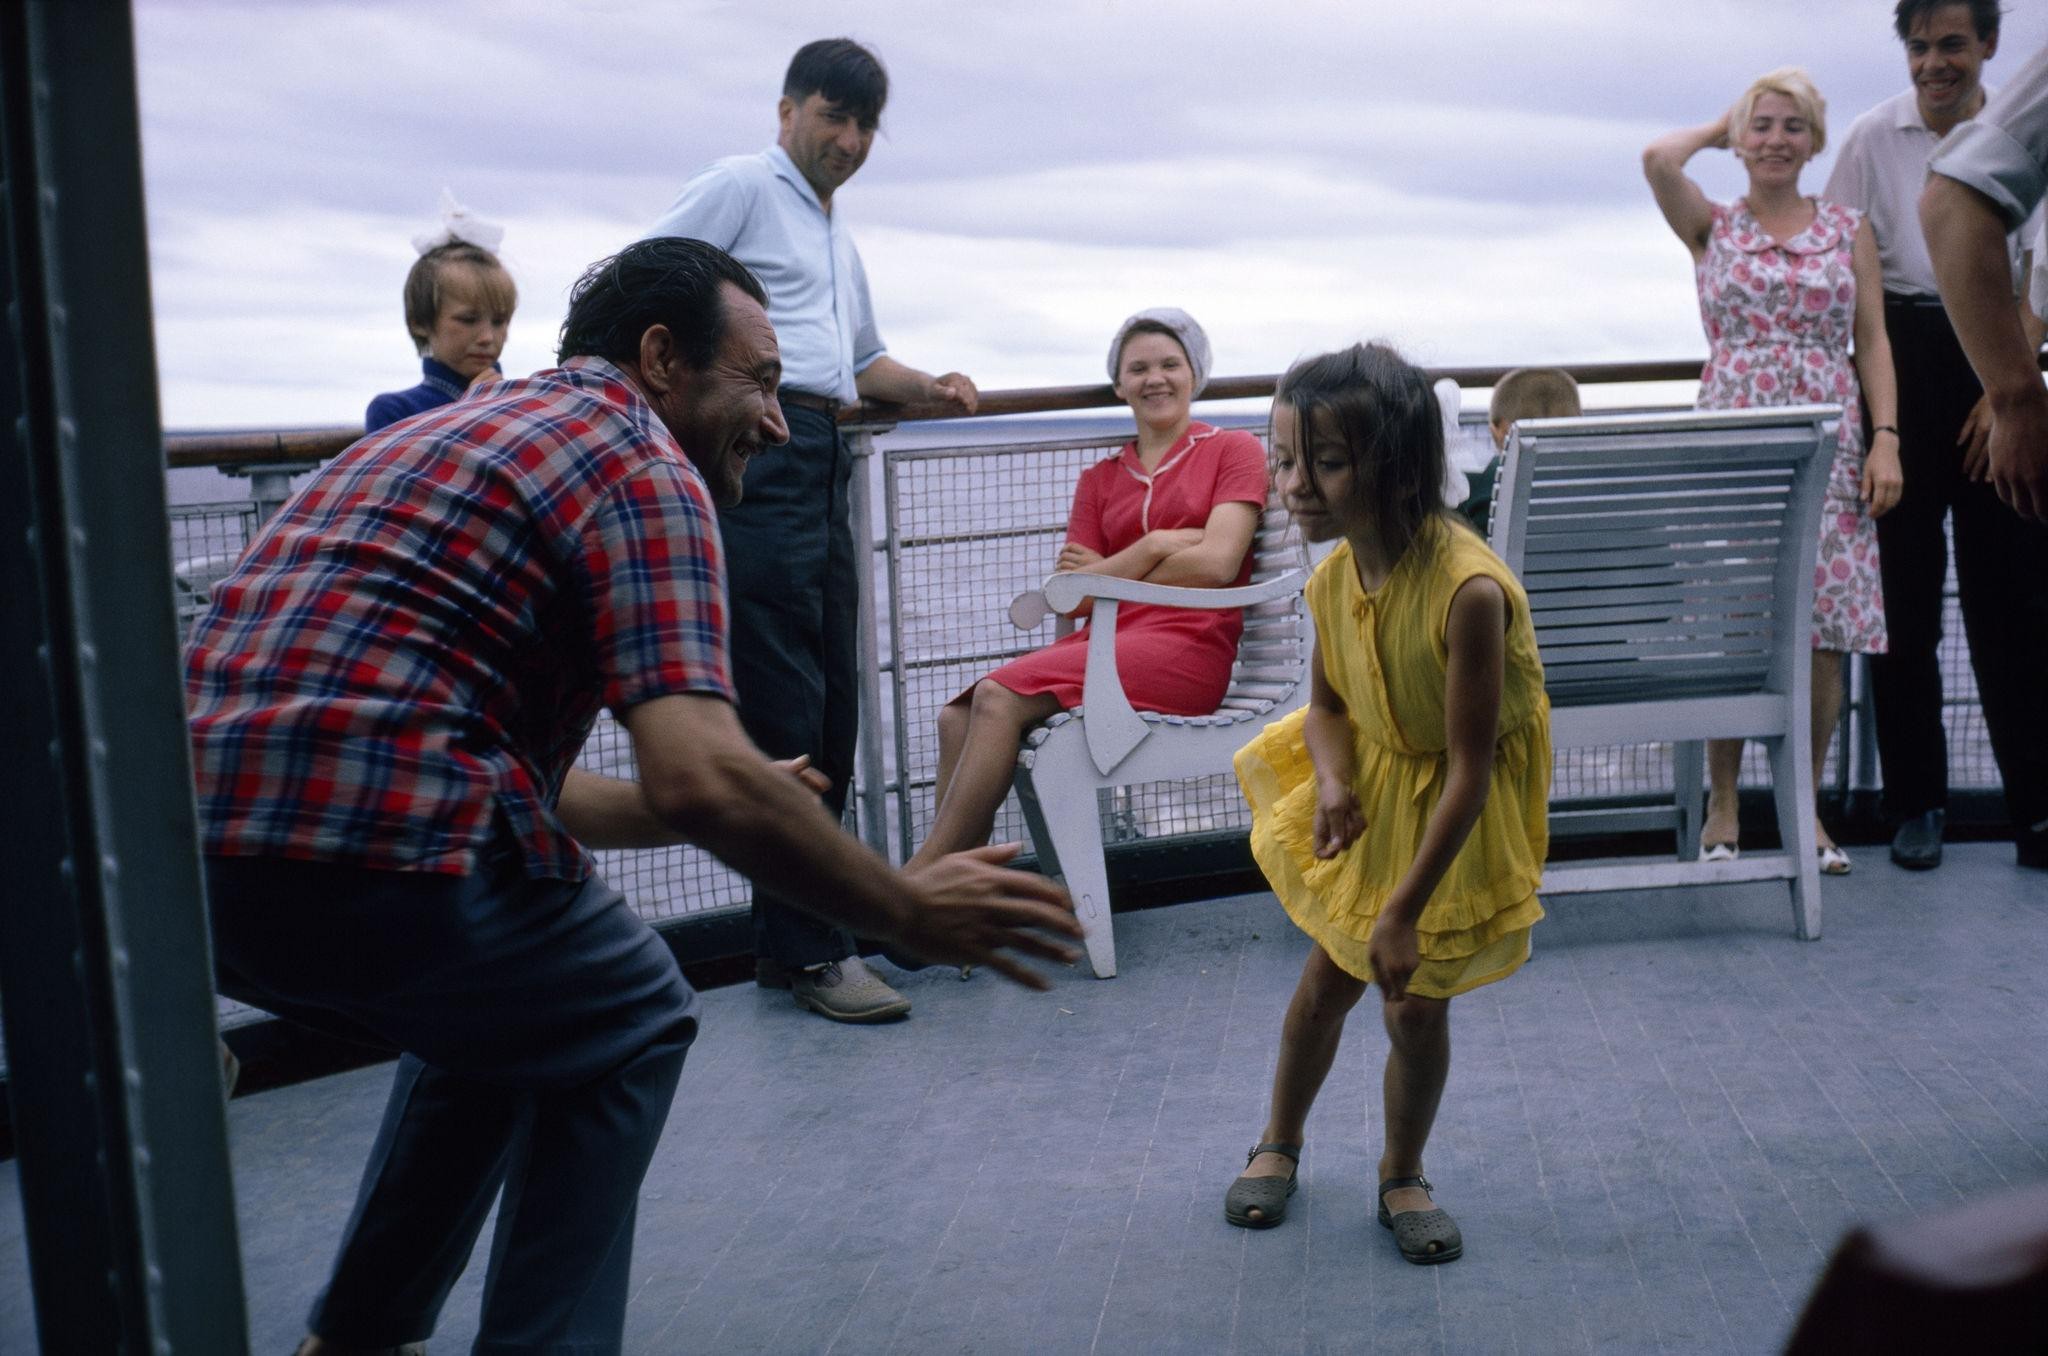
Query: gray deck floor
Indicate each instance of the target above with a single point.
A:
(1653, 1136)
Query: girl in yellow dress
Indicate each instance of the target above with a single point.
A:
(1401, 815)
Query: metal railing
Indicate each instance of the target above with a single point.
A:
(966, 524)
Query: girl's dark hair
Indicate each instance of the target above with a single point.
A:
(669, 280)
(1983, 16)
(423, 285)
(1380, 408)
(845, 72)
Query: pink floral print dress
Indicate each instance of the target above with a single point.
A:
(1779, 315)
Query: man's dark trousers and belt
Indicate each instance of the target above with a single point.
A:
(2001, 565)
(789, 557)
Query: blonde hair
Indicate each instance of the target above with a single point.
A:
(423, 286)
(1533, 393)
(1796, 85)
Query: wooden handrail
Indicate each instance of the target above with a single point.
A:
(285, 447)
(259, 447)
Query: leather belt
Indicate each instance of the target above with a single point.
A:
(805, 400)
(1918, 300)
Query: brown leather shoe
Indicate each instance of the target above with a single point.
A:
(847, 991)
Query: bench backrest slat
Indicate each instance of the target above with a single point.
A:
(1666, 556)
(1274, 647)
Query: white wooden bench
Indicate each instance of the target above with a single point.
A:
(1668, 560)
(1065, 763)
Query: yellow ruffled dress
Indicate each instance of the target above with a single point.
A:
(1384, 654)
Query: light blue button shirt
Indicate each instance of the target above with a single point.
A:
(761, 210)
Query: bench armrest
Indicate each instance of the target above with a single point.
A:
(1112, 727)
(1065, 592)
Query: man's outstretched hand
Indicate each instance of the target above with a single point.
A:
(969, 909)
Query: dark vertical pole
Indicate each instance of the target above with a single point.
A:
(104, 964)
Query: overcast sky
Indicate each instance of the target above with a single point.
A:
(1461, 177)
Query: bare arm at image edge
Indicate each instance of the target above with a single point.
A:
(1966, 239)
(1986, 178)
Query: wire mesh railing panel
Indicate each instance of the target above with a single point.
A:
(658, 882)
(206, 540)
(973, 531)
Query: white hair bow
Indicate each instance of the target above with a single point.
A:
(459, 224)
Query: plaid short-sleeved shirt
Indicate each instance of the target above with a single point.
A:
(408, 658)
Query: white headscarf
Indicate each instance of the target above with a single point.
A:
(1193, 340)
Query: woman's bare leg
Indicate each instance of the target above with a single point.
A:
(1827, 710)
(953, 722)
(982, 768)
(1724, 765)
(1418, 1063)
(1323, 998)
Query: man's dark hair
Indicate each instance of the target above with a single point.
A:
(1910, 13)
(845, 72)
(669, 281)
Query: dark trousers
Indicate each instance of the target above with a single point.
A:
(544, 1027)
(789, 556)
(2001, 575)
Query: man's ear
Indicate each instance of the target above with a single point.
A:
(660, 366)
(785, 113)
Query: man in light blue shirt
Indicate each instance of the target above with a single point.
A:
(789, 546)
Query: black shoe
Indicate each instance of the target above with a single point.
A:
(903, 960)
(2033, 846)
(1917, 844)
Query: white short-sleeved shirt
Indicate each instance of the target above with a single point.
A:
(761, 210)
(1881, 172)
(2003, 151)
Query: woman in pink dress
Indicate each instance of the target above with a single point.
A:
(1786, 283)
(1179, 504)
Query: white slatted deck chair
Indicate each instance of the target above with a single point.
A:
(1669, 561)
(1104, 743)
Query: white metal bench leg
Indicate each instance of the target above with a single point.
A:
(1067, 831)
(1688, 762)
(1792, 790)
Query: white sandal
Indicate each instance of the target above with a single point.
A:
(1719, 852)
(1833, 861)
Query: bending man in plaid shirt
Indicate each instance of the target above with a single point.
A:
(386, 698)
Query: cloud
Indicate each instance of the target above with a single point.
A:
(1461, 177)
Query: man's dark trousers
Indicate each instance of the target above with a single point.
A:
(2001, 575)
(795, 602)
(544, 1026)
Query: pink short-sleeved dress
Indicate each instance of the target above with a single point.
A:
(1175, 660)
(1779, 315)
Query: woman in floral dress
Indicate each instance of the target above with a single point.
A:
(1786, 283)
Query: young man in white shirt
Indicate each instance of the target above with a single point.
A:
(1944, 435)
